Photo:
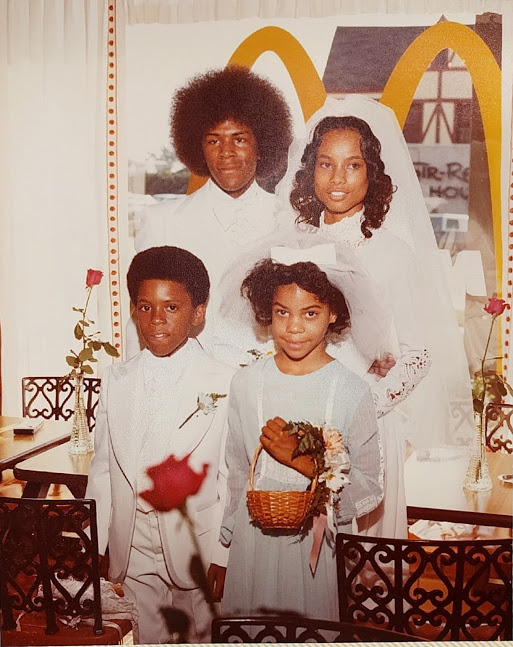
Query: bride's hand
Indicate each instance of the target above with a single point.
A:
(380, 367)
(281, 446)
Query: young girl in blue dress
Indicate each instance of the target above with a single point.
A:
(268, 570)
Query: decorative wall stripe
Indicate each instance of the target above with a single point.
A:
(508, 337)
(112, 180)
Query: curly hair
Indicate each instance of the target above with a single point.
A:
(231, 93)
(169, 264)
(379, 194)
(260, 286)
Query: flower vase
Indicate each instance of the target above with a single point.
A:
(477, 477)
(81, 440)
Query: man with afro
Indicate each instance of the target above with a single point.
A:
(233, 127)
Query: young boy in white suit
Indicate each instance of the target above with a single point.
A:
(144, 415)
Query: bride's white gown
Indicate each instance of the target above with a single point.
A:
(391, 263)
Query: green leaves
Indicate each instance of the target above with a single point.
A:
(109, 349)
(81, 362)
(493, 389)
(85, 354)
(72, 361)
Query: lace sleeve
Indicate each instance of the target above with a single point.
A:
(412, 355)
(401, 380)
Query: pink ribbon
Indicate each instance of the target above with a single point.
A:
(319, 525)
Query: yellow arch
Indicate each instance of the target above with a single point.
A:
(400, 88)
(309, 87)
(304, 76)
(486, 78)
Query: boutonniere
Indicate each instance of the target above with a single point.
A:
(206, 402)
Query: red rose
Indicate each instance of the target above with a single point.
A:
(495, 306)
(94, 277)
(173, 482)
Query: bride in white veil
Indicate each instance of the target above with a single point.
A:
(426, 397)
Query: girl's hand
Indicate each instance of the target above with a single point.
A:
(280, 445)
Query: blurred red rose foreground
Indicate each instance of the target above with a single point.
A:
(173, 481)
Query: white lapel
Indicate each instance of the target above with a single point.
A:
(195, 379)
(126, 415)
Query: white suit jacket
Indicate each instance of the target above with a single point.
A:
(201, 223)
(114, 469)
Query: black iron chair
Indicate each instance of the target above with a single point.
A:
(437, 590)
(53, 398)
(499, 427)
(50, 579)
(295, 629)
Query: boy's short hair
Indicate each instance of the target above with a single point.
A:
(169, 264)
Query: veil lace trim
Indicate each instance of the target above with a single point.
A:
(408, 374)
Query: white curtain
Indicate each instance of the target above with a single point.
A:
(52, 192)
(175, 11)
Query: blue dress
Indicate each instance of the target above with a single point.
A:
(268, 570)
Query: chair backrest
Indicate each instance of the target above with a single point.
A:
(295, 629)
(438, 590)
(49, 562)
(499, 427)
(0, 369)
(52, 397)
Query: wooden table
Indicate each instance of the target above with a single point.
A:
(434, 490)
(54, 466)
(15, 448)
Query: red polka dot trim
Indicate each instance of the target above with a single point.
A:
(112, 179)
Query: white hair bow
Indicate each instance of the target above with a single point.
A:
(319, 254)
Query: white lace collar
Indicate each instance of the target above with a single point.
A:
(348, 230)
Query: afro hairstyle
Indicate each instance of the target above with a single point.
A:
(236, 93)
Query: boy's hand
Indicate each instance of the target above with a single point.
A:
(215, 579)
(281, 446)
(380, 367)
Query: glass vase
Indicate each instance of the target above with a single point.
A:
(81, 441)
(477, 477)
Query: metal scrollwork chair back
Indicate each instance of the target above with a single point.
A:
(296, 629)
(52, 397)
(50, 578)
(437, 590)
(499, 427)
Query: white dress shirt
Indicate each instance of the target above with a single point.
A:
(161, 377)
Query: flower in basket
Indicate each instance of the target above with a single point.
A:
(81, 362)
(173, 483)
(487, 384)
(331, 460)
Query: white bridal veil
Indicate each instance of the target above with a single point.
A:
(445, 393)
(370, 324)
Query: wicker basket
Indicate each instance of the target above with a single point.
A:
(278, 509)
